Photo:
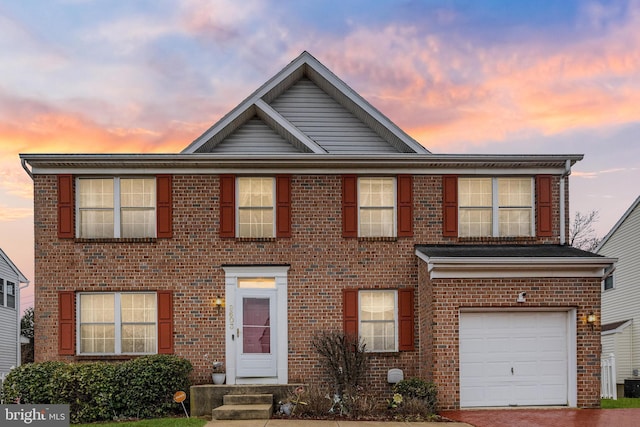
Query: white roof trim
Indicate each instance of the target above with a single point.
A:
(514, 267)
(619, 329)
(618, 224)
(305, 59)
(12, 266)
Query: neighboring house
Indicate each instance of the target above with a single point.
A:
(305, 209)
(621, 295)
(10, 280)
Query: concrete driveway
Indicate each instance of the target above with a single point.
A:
(547, 417)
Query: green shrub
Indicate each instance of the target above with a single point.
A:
(31, 383)
(146, 385)
(418, 392)
(139, 388)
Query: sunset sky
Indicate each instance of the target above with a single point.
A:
(545, 76)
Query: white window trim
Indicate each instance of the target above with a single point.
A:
(613, 283)
(117, 211)
(237, 206)
(117, 324)
(394, 215)
(395, 319)
(495, 207)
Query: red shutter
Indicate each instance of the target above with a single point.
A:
(544, 206)
(350, 311)
(164, 208)
(450, 206)
(405, 319)
(65, 207)
(227, 206)
(283, 205)
(66, 323)
(165, 322)
(405, 205)
(349, 206)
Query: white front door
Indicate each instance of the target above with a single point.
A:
(256, 322)
(257, 329)
(514, 358)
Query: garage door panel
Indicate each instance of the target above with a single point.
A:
(534, 344)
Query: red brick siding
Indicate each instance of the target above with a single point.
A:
(450, 295)
(322, 264)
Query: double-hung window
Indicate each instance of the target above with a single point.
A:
(377, 206)
(116, 207)
(378, 316)
(117, 323)
(256, 208)
(496, 207)
(7, 294)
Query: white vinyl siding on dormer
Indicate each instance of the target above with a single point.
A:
(328, 123)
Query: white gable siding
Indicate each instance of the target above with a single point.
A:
(328, 123)
(254, 137)
(8, 323)
(622, 302)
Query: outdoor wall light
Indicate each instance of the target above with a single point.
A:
(219, 302)
(591, 319)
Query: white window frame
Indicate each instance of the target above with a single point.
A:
(613, 283)
(273, 206)
(7, 284)
(495, 207)
(117, 322)
(117, 208)
(2, 293)
(395, 318)
(394, 225)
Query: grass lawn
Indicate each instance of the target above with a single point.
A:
(622, 402)
(158, 422)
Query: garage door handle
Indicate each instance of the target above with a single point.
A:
(512, 370)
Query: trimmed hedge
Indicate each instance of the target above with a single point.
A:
(138, 388)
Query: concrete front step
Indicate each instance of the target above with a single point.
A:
(262, 411)
(247, 399)
(244, 407)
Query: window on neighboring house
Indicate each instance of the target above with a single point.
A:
(116, 207)
(377, 206)
(608, 283)
(11, 294)
(1, 293)
(495, 207)
(256, 207)
(378, 320)
(117, 323)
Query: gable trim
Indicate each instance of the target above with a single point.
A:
(305, 63)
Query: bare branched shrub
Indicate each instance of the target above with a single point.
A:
(343, 359)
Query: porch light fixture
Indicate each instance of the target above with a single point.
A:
(591, 319)
(219, 302)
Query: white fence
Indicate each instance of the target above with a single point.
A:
(608, 389)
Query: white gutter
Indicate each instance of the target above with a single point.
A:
(24, 166)
(563, 213)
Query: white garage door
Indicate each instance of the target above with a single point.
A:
(513, 358)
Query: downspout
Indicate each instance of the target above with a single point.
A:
(19, 350)
(24, 166)
(563, 213)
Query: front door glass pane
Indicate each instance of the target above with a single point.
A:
(256, 328)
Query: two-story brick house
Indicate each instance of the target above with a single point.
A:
(305, 209)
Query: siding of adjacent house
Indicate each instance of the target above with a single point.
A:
(8, 324)
(621, 302)
(620, 345)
